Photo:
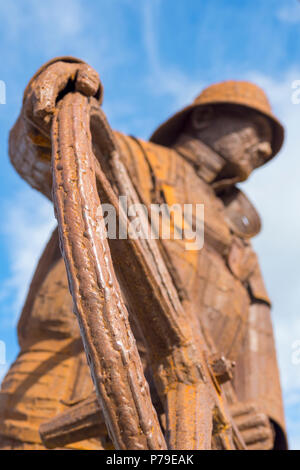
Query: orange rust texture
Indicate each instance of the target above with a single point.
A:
(220, 288)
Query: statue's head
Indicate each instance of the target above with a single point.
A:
(235, 120)
(243, 138)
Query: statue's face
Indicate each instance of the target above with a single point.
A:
(242, 137)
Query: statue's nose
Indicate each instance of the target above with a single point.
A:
(264, 149)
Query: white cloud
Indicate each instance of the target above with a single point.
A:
(165, 79)
(27, 223)
(290, 13)
(64, 27)
(58, 20)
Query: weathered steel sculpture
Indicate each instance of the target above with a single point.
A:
(162, 325)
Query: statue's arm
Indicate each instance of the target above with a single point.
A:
(29, 142)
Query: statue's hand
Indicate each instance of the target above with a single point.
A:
(52, 82)
(255, 427)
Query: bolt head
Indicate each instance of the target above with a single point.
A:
(222, 368)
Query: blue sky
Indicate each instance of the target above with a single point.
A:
(153, 57)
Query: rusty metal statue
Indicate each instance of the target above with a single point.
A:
(131, 342)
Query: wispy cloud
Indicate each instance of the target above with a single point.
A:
(290, 12)
(62, 20)
(63, 27)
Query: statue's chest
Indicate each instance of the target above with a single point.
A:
(214, 278)
(212, 275)
(216, 293)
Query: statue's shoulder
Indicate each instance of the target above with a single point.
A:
(138, 149)
(149, 165)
